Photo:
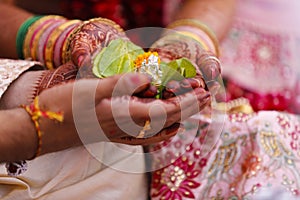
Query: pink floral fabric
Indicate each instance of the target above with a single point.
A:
(260, 55)
(254, 155)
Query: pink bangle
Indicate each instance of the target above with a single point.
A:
(45, 23)
(58, 46)
(43, 38)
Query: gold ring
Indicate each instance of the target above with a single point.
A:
(145, 128)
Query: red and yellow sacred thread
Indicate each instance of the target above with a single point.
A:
(36, 113)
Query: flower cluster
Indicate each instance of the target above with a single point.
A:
(149, 63)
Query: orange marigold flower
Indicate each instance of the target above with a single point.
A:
(144, 58)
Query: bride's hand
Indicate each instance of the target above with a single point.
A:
(91, 37)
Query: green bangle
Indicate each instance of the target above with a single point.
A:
(22, 33)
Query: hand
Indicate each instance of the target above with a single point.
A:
(91, 37)
(172, 47)
(206, 64)
(88, 103)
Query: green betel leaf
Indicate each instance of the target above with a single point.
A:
(117, 58)
(169, 72)
(189, 68)
(184, 66)
(177, 70)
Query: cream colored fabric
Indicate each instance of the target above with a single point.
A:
(78, 174)
(11, 70)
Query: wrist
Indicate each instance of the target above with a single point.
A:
(22, 90)
(17, 142)
(38, 114)
(198, 31)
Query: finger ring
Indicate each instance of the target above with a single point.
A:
(145, 128)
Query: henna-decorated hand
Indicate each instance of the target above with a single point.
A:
(61, 97)
(91, 37)
(108, 102)
(96, 34)
(50, 78)
(175, 46)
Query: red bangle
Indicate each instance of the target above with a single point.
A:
(42, 39)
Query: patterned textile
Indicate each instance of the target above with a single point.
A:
(254, 153)
(129, 14)
(257, 155)
(11, 70)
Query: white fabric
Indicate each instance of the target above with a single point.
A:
(76, 174)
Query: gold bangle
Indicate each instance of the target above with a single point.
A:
(66, 54)
(108, 22)
(72, 24)
(197, 24)
(239, 105)
(31, 31)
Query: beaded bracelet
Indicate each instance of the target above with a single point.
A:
(36, 113)
(199, 30)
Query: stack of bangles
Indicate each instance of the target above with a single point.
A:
(197, 31)
(48, 38)
(45, 38)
